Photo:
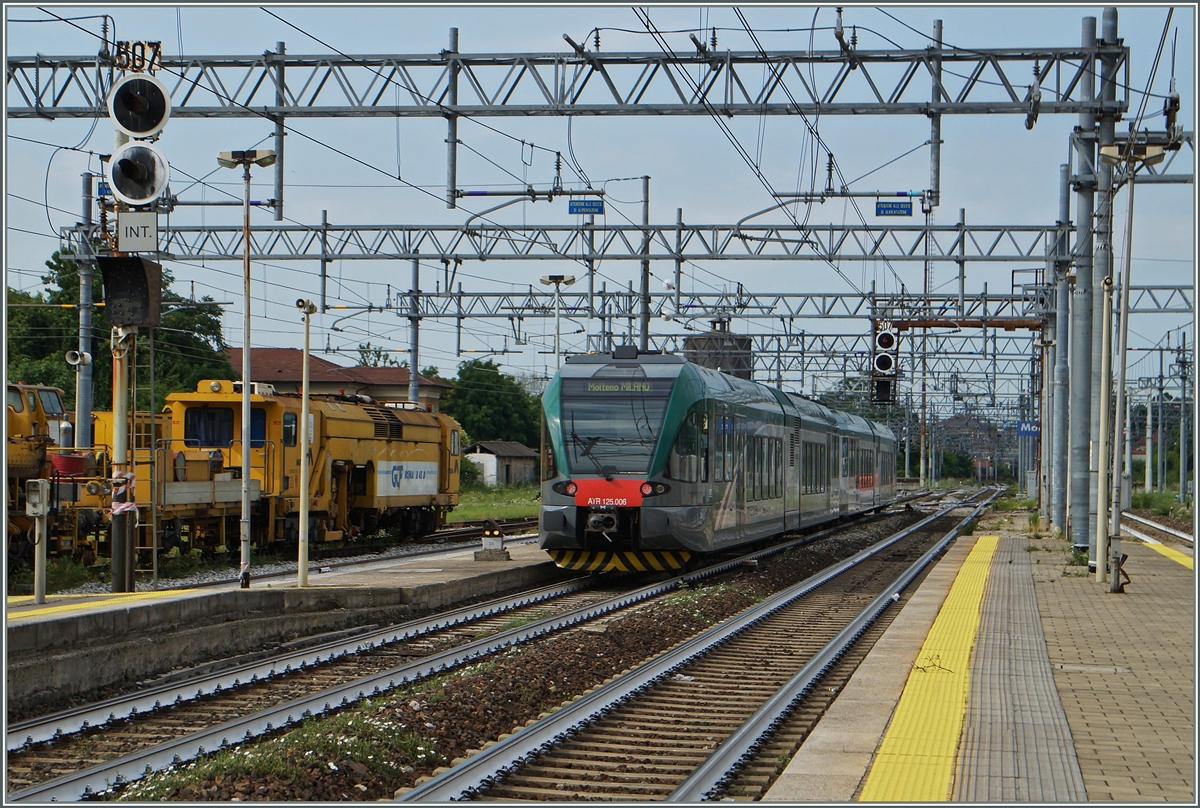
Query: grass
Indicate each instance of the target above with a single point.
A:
(62, 573)
(1163, 503)
(477, 504)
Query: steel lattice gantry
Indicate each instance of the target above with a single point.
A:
(935, 80)
(687, 242)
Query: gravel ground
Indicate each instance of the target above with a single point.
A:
(1169, 521)
(473, 708)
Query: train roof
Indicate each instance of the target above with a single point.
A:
(744, 391)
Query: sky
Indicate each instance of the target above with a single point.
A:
(995, 169)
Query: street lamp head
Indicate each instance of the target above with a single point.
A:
(565, 280)
(258, 157)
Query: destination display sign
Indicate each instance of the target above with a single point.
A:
(893, 207)
(594, 207)
(616, 386)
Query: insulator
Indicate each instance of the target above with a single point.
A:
(597, 39)
(714, 37)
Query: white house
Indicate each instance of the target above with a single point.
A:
(504, 462)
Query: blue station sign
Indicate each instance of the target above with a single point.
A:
(893, 207)
(594, 207)
(1029, 429)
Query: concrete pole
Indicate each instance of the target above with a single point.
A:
(1101, 538)
(1103, 266)
(1162, 421)
(83, 379)
(305, 447)
(1119, 444)
(644, 338)
(1150, 442)
(280, 130)
(452, 126)
(1183, 453)
(1058, 471)
(1081, 318)
(122, 339)
(244, 523)
(414, 327)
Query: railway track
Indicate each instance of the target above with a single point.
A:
(67, 755)
(1150, 530)
(682, 725)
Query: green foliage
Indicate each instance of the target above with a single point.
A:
(469, 474)
(370, 356)
(957, 464)
(491, 405)
(188, 344)
(1160, 502)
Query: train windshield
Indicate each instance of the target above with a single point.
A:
(611, 421)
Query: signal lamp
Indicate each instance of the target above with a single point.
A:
(138, 173)
(647, 489)
(885, 341)
(139, 105)
(884, 363)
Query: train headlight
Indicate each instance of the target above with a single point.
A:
(570, 488)
(647, 489)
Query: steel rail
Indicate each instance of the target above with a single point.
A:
(719, 768)
(125, 769)
(45, 728)
(1151, 523)
(97, 778)
(478, 772)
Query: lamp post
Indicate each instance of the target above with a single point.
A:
(233, 159)
(559, 281)
(309, 309)
(1132, 155)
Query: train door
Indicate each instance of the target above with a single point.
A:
(289, 452)
(843, 482)
(741, 475)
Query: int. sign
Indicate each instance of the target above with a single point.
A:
(893, 207)
(594, 207)
(137, 231)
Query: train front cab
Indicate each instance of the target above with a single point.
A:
(646, 463)
(602, 418)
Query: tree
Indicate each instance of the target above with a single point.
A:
(42, 327)
(491, 405)
(370, 356)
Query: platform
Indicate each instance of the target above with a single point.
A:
(113, 637)
(1070, 694)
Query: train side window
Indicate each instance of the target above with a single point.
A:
(15, 400)
(548, 470)
(683, 464)
(32, 397)
(258, 427)
(454, 445)
(208, 426)
(702, 449)
(51, 403)
(289, 429)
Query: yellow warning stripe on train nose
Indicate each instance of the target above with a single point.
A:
(627, 561)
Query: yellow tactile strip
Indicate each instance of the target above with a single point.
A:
(1174, 555)
(90, 602)
(915, 761)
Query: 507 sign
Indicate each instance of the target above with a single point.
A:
(138, 57)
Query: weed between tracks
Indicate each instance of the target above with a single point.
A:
(368, 751)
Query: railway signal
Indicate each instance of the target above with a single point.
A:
(885, 364)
